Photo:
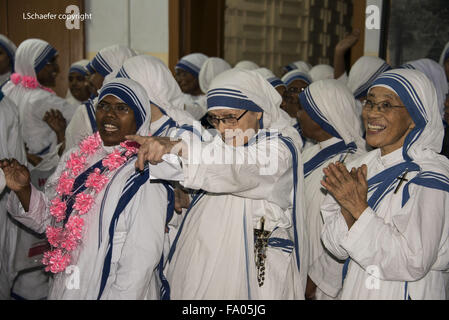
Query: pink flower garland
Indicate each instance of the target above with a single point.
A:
(28, 82)
(65, 240)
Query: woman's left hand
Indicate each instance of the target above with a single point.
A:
(350, 189)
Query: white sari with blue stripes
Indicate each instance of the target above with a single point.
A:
(399, 247)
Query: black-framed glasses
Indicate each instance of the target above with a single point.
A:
(382, 106)
(121, 108)
(227, 121)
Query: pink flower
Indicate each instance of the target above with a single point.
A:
(70, 242)
(83, 203)
(90, 145)
(54, 236)
(65, 184)
(74, 227)
(96, 180)
(30, 82)
(56, 261)
(58, 209)
(76, 163)
(114, 160)
(16, 78)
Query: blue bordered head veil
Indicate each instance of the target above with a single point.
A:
(135, 96)
(32, 55)
(332, 105)
(419, 96)
(10, 49)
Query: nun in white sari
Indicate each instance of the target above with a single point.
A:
(11, 146)
(34, 100)
(187, 75)
(122, 238)
(105, 64)
(209, 71)
(392, 231)
(9, 50)
(78, 76)
(329, 105)
(213, 256)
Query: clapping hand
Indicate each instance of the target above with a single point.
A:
(350, 189)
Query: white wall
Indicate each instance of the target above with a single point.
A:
(140, 24)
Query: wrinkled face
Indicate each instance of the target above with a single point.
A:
(240, 133)
(78, 87)
(4, 62)
(386, 129)
(96, 80)
(290, 99)
(47, 76)
(115, 119)
(187, 82)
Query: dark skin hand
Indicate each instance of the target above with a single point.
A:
(340, 50)
(58, 124)
(310, 289)
(350, 189)
(182, 200)
(18, 180)
(153, 148)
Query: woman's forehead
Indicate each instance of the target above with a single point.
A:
(111, 99)
(224, 112)
(382, 92)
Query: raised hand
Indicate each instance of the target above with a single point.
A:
(350, 189)
(17, 176)
(348, 41)
(153, 148)
(56, 122)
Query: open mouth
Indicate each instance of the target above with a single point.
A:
(110, 128)
(374, 128)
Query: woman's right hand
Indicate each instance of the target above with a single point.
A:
(17, 176)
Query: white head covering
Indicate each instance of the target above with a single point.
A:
(108, 60)
(363, 73)
(246, 65)
(436, 74)
(270, 77)
(192, 63)
(210, 69)
(162, 89)
(135, 96)
(10, 49)
(331, 105)
(31, 57)
(419, 96)
(300, 65)
(444, 54)
(321, 72)
(296, 74)
(248, 90)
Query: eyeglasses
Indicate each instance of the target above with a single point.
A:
(383, 106)
(121, 109)
(295, 90)
(227, 121)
